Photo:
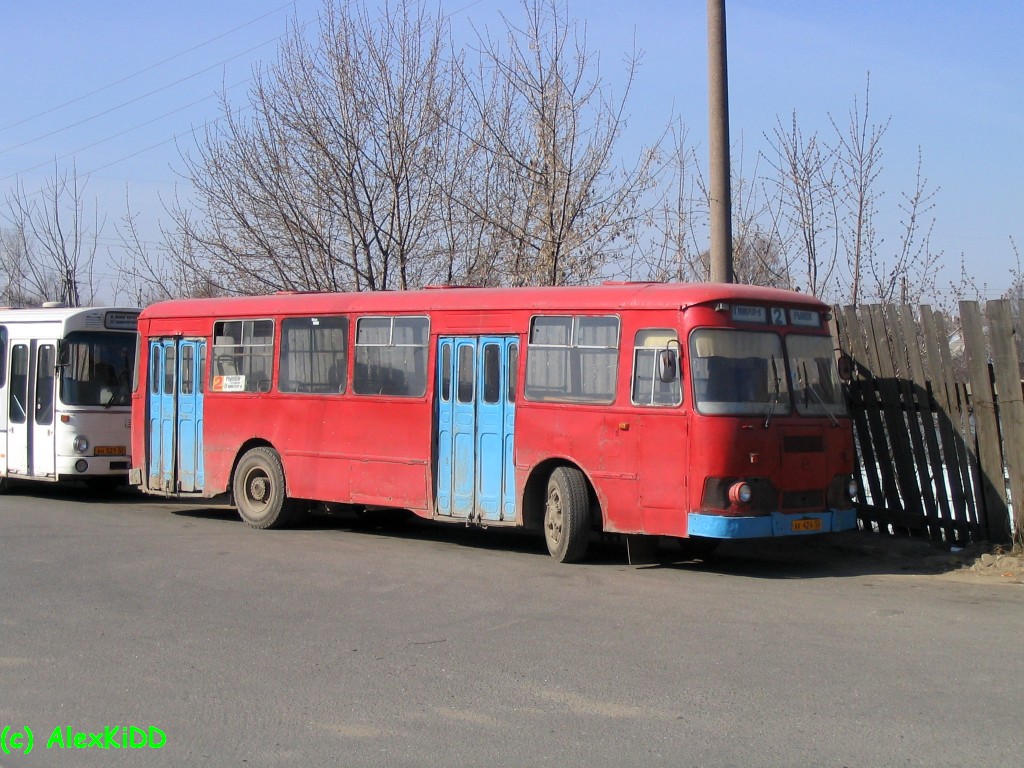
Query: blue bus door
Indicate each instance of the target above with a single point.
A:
(191, 355)
(176, 414)
(475, 427)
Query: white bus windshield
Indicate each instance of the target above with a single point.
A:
(96, 368)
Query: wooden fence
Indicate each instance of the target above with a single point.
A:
(938, 418)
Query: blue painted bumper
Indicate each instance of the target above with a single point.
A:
(763, 526)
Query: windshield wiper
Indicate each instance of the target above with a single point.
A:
(776, 393)
(805, 383)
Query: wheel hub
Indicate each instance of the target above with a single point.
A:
(258, 489)
(553, 517)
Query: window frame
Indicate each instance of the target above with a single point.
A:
(678, 381)
(341, 356)
(361, 377)
(242, 355)
(573, 361)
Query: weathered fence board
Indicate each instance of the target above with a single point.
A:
(936, 496)
(986, 424)
(937, 453)
(1006, 366)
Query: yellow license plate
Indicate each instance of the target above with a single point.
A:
(109, 450)
(806, 525)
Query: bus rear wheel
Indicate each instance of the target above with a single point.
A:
(567, 515)
(259, 489)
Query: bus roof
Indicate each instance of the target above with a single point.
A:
(9, 316)
(608, 296)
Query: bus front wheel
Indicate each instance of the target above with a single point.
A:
(567, 515)
(259, 489)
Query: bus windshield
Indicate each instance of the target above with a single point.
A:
(815, 378)
(738, 372)
(96, 368)
(744, 372)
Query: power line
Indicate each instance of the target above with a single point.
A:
(120, 133)
(144, 70)
(143, 96)
(175, 137)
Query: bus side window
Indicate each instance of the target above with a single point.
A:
(314, 354)
(513, 371)
(154, 369)
(224, 362)
(19, 384)
(651, 349)
(467, 373)
(390, 355)
(46, 363)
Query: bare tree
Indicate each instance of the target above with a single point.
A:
(912, 274)
(553, 195)
(681, 220)
(807, 209)
(859, 164)
(145, 273)
(333, 181)
(759, 256)
(13, 258)
(50, 247)
(1016, 289)
(678, 223)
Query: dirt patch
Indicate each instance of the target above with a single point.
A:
(858, 552)
(993, 564)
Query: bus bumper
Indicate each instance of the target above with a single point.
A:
(775, 524)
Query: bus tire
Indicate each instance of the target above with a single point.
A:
(567, 515)
(259, 489)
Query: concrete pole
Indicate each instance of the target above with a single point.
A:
(718, 140)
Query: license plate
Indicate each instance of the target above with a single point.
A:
(807, 525)
(109, 450)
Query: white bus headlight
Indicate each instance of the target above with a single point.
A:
(81, 444)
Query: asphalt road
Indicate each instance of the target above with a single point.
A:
(346, 644)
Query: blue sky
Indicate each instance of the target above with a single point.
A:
(118, 87)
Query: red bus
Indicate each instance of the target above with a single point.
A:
(700, 411)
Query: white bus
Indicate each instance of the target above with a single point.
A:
(65, 387)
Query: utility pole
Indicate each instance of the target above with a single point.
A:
(718, 140)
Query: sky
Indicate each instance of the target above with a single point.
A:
(116, 90)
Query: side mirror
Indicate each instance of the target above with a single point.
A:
(668, 365)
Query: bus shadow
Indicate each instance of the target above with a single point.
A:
(74, 492)
(849, 554)
(399, 524)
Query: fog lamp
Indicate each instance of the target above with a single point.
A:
(740, 493)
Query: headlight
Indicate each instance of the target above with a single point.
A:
(81, 444)
(740, 493)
